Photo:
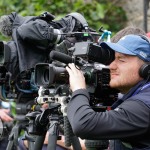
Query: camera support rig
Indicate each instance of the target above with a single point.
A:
(50, 119)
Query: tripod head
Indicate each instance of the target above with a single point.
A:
(42, 119)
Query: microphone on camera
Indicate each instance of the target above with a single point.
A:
(55, 55)
(6, 25)
(64, 58)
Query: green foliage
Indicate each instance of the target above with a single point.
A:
(98, 13)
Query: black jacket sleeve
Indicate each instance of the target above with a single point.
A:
(131, 118)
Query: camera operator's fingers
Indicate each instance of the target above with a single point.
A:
(68, 70)
(4, 116)
(76, 78)
(5, 110)
(75, 69)
(45, 106)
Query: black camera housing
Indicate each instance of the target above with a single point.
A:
(47, 74)
(4, 53)
(92, 52)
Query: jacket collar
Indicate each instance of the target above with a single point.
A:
(129, 94)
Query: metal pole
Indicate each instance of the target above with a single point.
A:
(145, 9)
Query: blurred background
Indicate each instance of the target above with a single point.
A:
(111, 15)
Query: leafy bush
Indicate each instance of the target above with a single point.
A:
(98, 13)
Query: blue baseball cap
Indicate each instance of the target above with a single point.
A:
(136, 45)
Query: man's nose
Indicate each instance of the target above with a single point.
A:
(113, 65)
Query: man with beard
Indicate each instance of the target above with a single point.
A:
(127, 126)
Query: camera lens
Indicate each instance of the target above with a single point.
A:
(46, 75)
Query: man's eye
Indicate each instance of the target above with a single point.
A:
(121, 60)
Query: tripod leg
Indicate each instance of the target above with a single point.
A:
(76, 143)
(30, 139)
(31, 145)
(70, 138)
(53, 135)
(13, 138)
(10, 145)
(39, 142)
(67, 132)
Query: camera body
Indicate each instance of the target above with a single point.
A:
(90, 57)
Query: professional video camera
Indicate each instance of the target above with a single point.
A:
(90, 57)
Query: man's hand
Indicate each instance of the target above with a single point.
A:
(77, 80)
(4, 115)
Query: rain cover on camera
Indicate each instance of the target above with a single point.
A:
(33, 38)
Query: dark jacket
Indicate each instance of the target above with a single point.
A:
(129, 121)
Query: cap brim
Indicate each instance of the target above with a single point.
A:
(116, 47)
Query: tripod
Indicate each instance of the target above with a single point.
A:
(54, 131)
(49, 118)
(21, 123)
(23, 105)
